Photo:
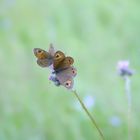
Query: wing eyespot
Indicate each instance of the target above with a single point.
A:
(39, 51)
(57, 56)
(68, 84)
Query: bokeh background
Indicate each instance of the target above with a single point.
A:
(97, 34)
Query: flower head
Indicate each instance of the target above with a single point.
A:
(123, 68)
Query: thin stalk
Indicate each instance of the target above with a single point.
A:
(128, 94)
(89, 115)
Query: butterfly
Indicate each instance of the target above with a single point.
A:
(44, 58)
(62, 69)
(64, 72)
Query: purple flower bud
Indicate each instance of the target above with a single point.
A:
(54, 79)
(51, 68)
(123, 68)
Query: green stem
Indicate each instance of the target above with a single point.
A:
(89, 115)
(128, 94)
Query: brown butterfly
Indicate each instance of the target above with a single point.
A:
(44, 58)
(64, 72)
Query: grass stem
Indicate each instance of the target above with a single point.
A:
(89, 115)
(128, 94)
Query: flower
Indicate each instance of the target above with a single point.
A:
(123, 68)
(115, 121)
(53, 78)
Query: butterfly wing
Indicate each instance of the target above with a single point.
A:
(65, 77)
(68, 84)
(41, 54)
(58, 58)
(66, 63)
(44, 58)
(44, 62)
(69, 72)
(66, 81)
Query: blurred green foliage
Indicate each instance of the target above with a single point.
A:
(97, 34)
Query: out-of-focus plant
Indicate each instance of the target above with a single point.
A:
(125, 72)
(62, 73)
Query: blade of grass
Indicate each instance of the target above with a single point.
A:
(89, 115)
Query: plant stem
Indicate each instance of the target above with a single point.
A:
(89, 115)
(128, 94)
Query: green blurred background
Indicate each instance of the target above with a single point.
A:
(97, 34)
